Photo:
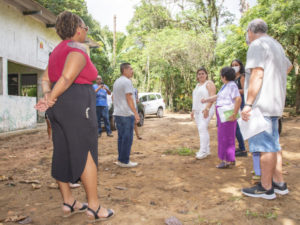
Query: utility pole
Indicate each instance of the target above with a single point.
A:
(115, 40)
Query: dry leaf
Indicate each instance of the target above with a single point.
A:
(53, 186)
(30, 182)
(36, 186)
(14, 218)
(3, 178)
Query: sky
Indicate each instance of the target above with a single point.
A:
(104, 10)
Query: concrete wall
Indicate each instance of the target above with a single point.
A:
(27, 42)
(18, 113)
(24, 39)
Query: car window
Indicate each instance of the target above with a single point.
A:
(158, 96)
(144, 98)
(152, 97)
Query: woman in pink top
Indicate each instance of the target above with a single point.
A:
(70, 101)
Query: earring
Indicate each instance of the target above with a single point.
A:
(78, 33)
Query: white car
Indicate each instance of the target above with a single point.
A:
(153, 103)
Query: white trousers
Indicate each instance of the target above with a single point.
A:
(202, 125)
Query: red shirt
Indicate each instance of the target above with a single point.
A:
(57, 61)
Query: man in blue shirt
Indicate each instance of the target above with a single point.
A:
(101, 105)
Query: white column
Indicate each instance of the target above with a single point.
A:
(3, 76)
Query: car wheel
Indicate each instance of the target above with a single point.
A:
(112, 123)
(160, 113)
(141, 123)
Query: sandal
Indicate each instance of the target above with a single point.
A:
(73, 210)
(97, 218)
(231, 163)
(223, 165)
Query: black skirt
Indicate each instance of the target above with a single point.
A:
(74, 132)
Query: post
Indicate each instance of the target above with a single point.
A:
(3, 76)
(114, 40)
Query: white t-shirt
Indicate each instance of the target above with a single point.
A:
(122, 86)
(267, 53)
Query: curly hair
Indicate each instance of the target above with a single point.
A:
(66, 24)
(228, 73)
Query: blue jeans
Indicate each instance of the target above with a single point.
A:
(238, 133)
(240, 138)
(102, 112)
(256, 163)
(125, 125)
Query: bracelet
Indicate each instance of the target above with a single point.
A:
(250, 105)
(46, 92)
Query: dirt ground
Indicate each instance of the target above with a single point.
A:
(163, 185)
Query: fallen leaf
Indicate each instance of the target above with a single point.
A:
(120, 188)
(10, 213)
(14, 218)
(53, 186)
(3, 178)
(139, 174)
(36, 186)
(30, 182)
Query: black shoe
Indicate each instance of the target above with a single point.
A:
(110, 135)
(241, 153)
(282, 190)
(258, 191)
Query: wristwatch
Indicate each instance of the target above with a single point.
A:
(250, 105)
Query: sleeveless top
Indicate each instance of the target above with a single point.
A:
(199, 93)
(238, 82)
(57, 61)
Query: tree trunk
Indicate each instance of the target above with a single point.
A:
(297, 103)
(148, 73)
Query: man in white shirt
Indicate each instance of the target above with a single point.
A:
(125, 114)
(265, 89)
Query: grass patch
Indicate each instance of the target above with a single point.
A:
(204, 221)
(235, 198)
(266, 215)
(180, 151)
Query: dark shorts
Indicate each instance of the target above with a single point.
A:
(74, 132)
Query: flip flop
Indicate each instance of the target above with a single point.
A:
(73, 210)
(97, 218)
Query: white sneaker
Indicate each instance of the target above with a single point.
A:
(127, 165)
(76, 185)
(202, 155)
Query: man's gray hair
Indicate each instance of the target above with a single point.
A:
(258, 26)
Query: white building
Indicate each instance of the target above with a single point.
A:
(27, 37)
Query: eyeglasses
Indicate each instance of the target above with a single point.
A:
(86, 28)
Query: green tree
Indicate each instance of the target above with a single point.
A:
(283, 22)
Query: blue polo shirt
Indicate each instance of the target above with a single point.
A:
(101, 96)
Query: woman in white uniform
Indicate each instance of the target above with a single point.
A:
(203, 112)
